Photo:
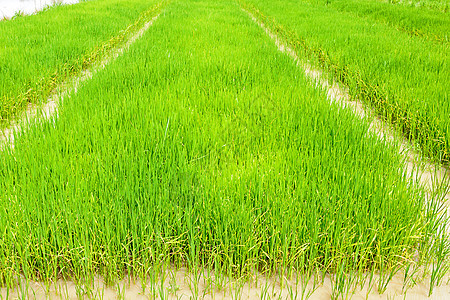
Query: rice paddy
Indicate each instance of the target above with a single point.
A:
(436, 5)
(42, 50)
(431, 25)
(402, 76)
(207, 151)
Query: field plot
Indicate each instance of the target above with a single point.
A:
(431, 25)
(42, 50)
(403, 77)
(438, 5)
(205, 147)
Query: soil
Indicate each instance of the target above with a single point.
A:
(179, 285)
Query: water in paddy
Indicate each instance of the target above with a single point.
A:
(8, 8)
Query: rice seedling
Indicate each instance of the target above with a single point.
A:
(403, 78)
(431, 25)
(437, 5)
(18, 14)
(204, 147)
(42, 50)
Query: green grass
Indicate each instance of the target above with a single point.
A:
(438, 5)
(40, 51)
(404, 78)
(206, 147)
(431, 25)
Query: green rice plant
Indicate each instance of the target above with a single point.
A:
(18, 14)
(42, 50)
(431, 25)
(205, 147)
(437, 5)
(404, 79)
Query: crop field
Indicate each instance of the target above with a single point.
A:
(431, 25)
(205, 147)
(437, 5)
(402, 76)
(38, 52)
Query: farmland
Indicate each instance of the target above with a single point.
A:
(432, 25)
(40, 51)
(204, 147)
(402, 76)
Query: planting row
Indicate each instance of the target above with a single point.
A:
(431, 25)
(404, 78)
(438, 5)
(204, 146)
(42, 50)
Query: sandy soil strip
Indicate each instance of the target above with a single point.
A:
(181, 284)
(36, 113)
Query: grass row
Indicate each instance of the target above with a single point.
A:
(431, 25)
(438, 5)
(403, 78)
(43, 50)
(177, 154)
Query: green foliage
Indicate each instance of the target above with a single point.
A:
(40, 51)
(438, 5)
(204, 146)
(404, 78)
(431, 25)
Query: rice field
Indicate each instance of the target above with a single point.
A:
(206, 149)
(431, 25)
(40, 51)
(404, 77)
(436, 5)
(13, 9)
